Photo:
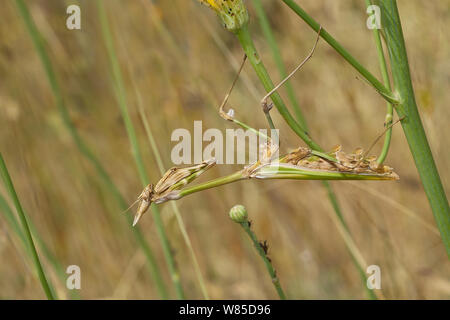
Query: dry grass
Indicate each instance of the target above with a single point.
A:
(182, 72)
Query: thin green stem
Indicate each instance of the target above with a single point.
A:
(11, 220)
(38, 42)
(122, 103)
(278, 171)
(412, 124)
(26, 230)
(15, 226)
(237, 176)
(387, 83)
(379, 87)
(262, 252)
(268, 33)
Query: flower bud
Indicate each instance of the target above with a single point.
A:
(238, 214)
(233, 13)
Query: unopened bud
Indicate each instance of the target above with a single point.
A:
(238, 214)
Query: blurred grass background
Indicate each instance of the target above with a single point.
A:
(181, 61)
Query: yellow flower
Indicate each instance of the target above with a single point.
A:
(233, 13)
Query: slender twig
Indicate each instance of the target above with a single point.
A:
(122, 103)
(264, 99)
(25, 229)
(387, 130)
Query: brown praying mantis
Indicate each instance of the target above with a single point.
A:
(301, 164)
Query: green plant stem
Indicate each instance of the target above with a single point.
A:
(267, 30)
(387, 83)
(237, 176)
(122, 103)
(250, 50)
(268, 264)
(275, 172)
(12, 221)
(38, 42)
(412, 124)
(379, 87)
(253, 56)
(26, 230)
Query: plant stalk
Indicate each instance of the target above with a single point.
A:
(270, 269)
(25, 228)
(387, 83)
(412, 124)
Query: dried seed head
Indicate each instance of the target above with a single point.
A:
(354, 163)
(297, 155)
(233, 13)
(238, 214)
(167, 187)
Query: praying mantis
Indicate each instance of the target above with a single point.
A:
(300, 164)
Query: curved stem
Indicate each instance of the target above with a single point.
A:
(387, 83)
